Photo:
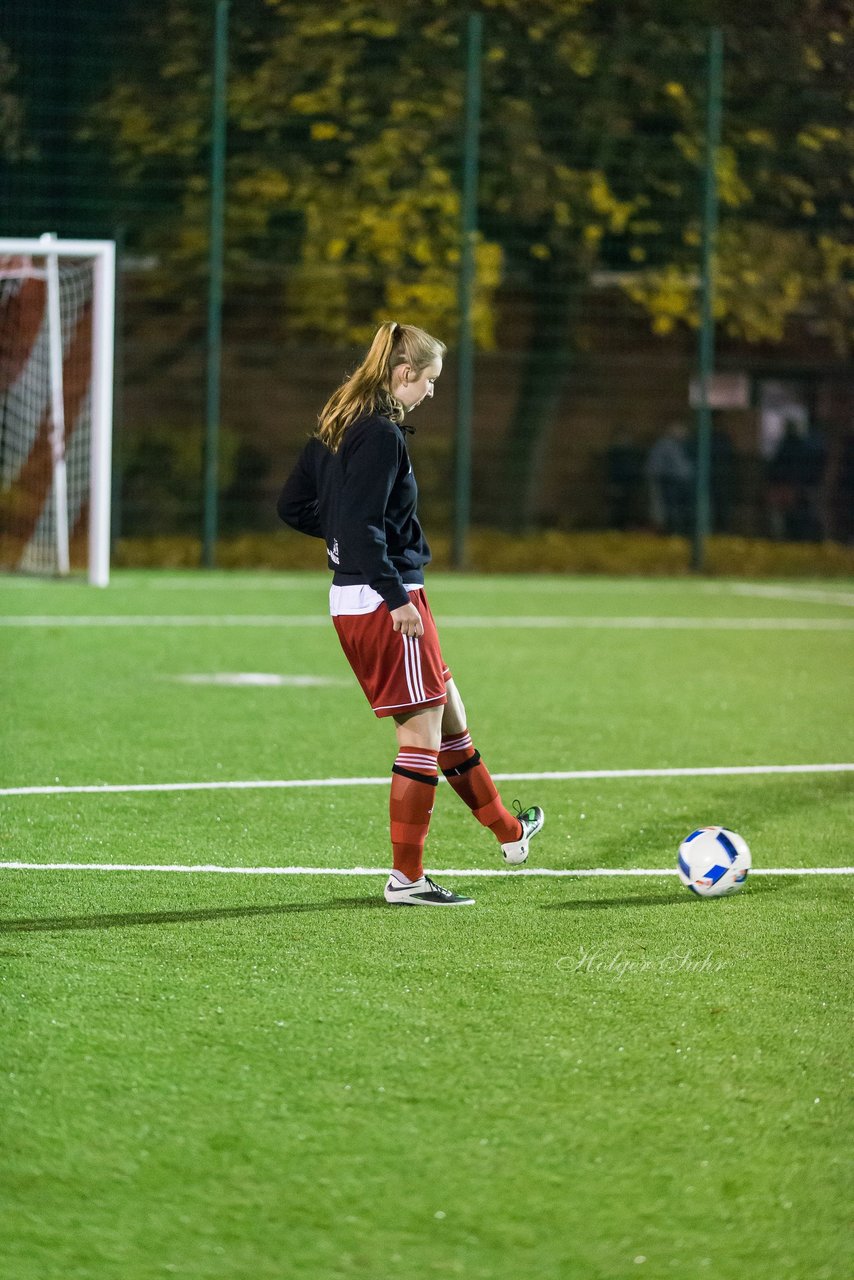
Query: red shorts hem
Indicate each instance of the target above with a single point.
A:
(381, 712)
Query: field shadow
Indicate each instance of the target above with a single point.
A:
(671, 899)
(627, 900)
(127, 920)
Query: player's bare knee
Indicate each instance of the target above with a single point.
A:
(454, 713)
(420, 728)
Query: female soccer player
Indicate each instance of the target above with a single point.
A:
(353, 486)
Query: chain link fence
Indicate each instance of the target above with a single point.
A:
(346, 143)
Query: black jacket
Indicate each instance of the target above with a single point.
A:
(362, 502)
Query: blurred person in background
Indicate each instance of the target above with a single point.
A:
(795, 475)
(670, 475)
(354, 487)
(843, 492)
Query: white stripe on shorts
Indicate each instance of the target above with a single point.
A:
(412, 666)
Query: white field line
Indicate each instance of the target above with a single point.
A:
(165, 620)
(278, 784)
(547, 584)
(491, 872)
(810, 594)
(257, 679)
(628, 623)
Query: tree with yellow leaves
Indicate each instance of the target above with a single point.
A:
(345, 135)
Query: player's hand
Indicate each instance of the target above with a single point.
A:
(407, 620)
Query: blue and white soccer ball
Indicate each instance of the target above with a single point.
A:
(713, 862)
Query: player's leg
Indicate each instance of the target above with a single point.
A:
(403, 679)
(414, 778)
(464, 769)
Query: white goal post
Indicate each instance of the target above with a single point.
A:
(57, 315)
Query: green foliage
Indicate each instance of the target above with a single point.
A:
(161, 466)
(13, 143)
(345, 144)
(752, 301)
(784, 247)
(491, 551)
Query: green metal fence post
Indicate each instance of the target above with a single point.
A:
(465, 346)
(706, 354)
(215, 256)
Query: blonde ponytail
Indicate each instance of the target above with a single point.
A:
(368, 388)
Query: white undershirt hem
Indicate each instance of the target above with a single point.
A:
(359, 598)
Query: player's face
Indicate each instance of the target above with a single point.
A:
(412, 387)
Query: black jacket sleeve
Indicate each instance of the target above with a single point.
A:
(298, 502)
(371, 464)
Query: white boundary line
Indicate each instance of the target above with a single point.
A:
(834, 590)
(165, 620)
(545, 622)
(808, 594)
(277, 784)
(491, 872)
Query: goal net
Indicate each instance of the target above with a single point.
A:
(56, 390)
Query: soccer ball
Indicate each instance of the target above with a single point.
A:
(713, 862)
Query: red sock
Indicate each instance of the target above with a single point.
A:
(414, 778)
(470, 778)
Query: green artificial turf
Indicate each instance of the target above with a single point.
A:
(218, 1076)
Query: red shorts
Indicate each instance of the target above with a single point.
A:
(397, 673)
